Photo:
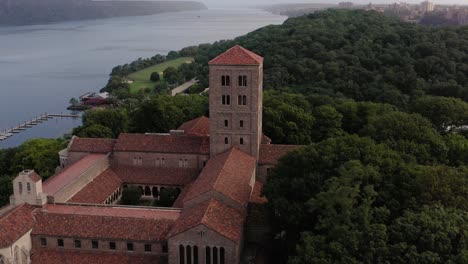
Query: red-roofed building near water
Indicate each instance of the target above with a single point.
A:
(216, 168)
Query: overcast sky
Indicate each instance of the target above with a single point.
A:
(214, 3)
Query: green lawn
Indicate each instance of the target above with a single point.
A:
(141, 79)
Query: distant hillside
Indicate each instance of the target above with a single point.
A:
(23, 12)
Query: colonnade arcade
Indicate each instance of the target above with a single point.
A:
(152, 191)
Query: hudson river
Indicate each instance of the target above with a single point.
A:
(43, 66)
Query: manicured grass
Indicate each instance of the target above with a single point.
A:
(141, 79)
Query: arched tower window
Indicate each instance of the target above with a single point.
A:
(28, 187)
(215, 255)
(242, 81)
(226, 123)
(241, 123)
(189, 254)
(226, 140)
(207, 255)
(221, 256)
(20, 187)
(244, 100)
(2, 260)
(181, 254)
(195, 255)
(241, 141)
(225, 80)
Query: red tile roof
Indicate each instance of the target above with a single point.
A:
(70, 173)
(270, 153)
(182, 144)
(15, 223)
(237, 55)
(114, 211)
(111, 224)
(53, 256)
(257, 197)
(98, 190)
(155, 175)
(92, 145)
(228, 173)
(197, 127)
(213, 214)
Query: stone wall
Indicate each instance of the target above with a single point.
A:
(194, 161)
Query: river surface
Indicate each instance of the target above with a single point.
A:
(43, 66)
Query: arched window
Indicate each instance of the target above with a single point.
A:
(181, 255)
(241, 123)
(225, 80)
(189, 254)
(2, 260)
(223, 99)
(226, 140)
(195, 255)
(226, 123)
(28, 187)
(221, 256)
(215, 255)
(17, 256)
(241, 141)
(228, 99)
(147, 191)
(242, 81)
(239, 100)
(155, 192)
(244, 100)
(20, 187)
(142, 190)
(207, 255)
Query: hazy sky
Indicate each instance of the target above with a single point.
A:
(215, 3)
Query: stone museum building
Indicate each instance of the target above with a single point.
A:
(217, 165)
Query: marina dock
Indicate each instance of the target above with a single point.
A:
(33, 122)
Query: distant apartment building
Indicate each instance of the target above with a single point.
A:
(427, 6)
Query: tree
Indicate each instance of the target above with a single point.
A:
(6, 189)
(155, 77)
(114, 119)
(327, 123)
(168, 196)
(171, 75)
(40, 155)
(74, 101)
(447, 114)
(95, 131)
(131, 195)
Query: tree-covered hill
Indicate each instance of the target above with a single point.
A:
(359, 54)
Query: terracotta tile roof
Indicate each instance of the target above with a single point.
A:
(270, 153)
(114, 211)
(98, 190)
(111, 224)
(53, 256)
(237, 55)
(228, 173)
(15, 223)
(92, 145)
(213, 214)
(256, 196)
(197, 127)
(155, 175)
(70, 173)
(182, 144)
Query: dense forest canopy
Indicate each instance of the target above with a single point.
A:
(357, 54)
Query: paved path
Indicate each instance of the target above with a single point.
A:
(183, 87)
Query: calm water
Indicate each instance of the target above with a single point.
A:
(42, 67)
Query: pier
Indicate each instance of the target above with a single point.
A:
(29, 124)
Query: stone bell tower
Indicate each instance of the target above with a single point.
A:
(236, 101)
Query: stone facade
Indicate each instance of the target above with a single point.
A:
(19, 252)
(27, 190)
(169, 160)
(202, 238)
(236, 108)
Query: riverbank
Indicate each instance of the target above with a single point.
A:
(44, 66)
